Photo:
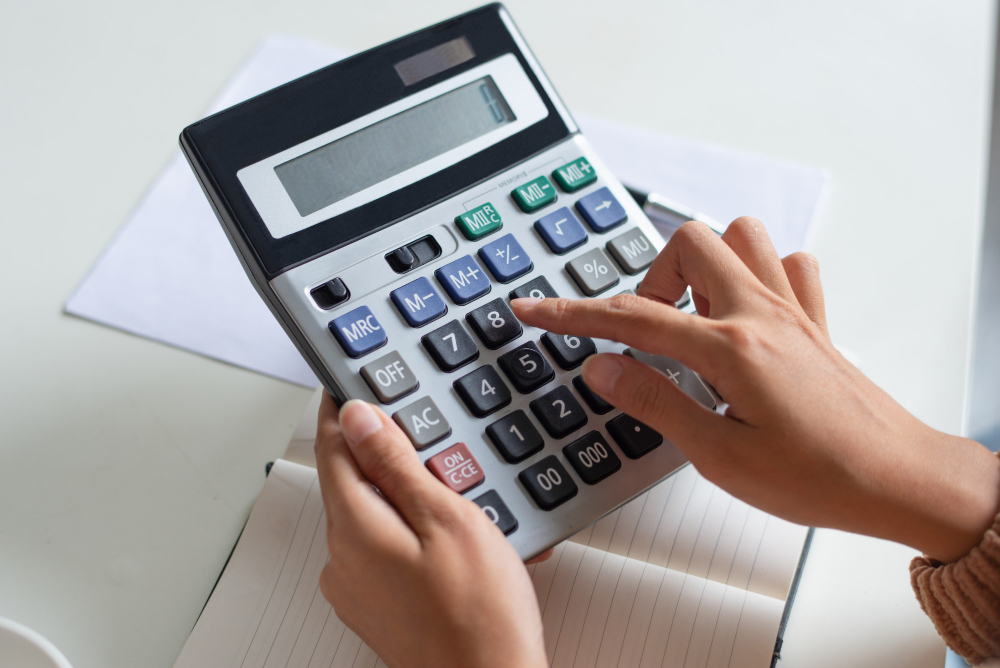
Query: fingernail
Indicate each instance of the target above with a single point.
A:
(601, 372)
(525, 302)
(359, 421)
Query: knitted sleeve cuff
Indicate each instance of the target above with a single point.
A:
(963, 598)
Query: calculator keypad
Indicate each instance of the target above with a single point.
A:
(592, 458)
(389, 377)
(483, 391)
(548, 483)
(418, 302)
(505, 258)
(450, 346)
(456, 468)
(526, 367)
(494, 323)
(422, 423)
(497, 511)
(463, 280)
(569, 351)
(515, 437)
(559, 412)
(536, 288)
(529, 414)
(593, 272)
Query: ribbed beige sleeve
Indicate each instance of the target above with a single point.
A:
(963, 598)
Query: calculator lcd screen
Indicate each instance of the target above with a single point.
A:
(382, 150)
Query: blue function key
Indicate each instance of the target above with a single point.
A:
(505, 258)
(419, 302)
(534, 194)
(463, 280)
(561, 231)
(601, 210)
(358, 332)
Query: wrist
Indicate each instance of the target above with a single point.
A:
(945, 494)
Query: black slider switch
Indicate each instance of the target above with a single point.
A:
(402, 260)
(330, 294)
(412, 255)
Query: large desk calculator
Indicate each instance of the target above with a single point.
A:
(388, 207)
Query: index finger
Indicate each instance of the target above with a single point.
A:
(650, 326)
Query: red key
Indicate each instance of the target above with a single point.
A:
(456, 468)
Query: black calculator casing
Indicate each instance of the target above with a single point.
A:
(354, 246)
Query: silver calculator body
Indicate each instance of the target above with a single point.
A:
(389, 206)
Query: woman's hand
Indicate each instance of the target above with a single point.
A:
(806, 436)
(417, 571)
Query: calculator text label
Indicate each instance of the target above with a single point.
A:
(361, 328)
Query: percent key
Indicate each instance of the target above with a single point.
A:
(593, 272)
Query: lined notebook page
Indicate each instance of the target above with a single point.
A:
(699, 601)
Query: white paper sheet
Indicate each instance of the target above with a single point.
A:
(171, 275)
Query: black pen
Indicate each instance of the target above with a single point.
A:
(668, 214)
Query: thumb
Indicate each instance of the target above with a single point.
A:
(388, 460)
(650, 397)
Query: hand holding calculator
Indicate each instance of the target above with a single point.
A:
(389, 206)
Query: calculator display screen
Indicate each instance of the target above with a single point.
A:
(391, 146)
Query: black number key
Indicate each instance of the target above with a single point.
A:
(539, 288)
(559, 412)
(515, 437)
(497, 511)
(483, 391)
(598, 405)
(569, 351)
(526, 367)
(548, 483)
(450, 346)
(633, 437)
(494, 323)
(592, 458)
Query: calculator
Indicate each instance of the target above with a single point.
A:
(388, 207)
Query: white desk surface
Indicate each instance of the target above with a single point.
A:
(128, 467)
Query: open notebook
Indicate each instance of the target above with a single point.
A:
(683, 575)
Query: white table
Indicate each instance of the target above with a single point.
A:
(128, 467)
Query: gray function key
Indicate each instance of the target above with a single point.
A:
(683, 377)
(633, 251)
(422, 422)
(593, 272)
(389, 377)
